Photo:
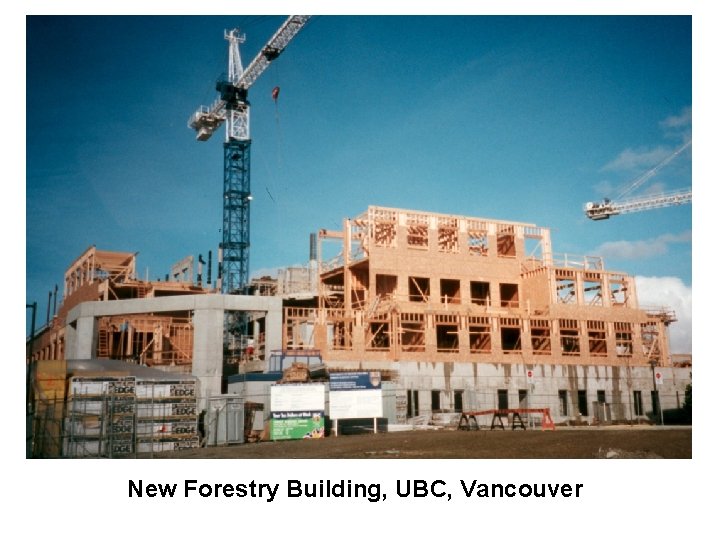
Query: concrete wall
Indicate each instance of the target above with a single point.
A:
(208, 320)
(480, 384)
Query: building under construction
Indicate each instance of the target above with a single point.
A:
(459, 313)
(478, 313)
(422, 287)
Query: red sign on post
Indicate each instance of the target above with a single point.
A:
(658, 378)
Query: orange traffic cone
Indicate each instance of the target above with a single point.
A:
(547, 422)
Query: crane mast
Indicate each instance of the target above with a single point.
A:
(233, 108)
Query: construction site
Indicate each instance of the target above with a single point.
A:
(431, 321)
(456, 314)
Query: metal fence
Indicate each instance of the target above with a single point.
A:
(122, 421)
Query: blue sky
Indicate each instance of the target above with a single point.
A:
(517, 118)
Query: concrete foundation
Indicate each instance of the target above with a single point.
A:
(574, 394)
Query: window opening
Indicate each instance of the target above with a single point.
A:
(502, 396)
(522, 398)
(533, 243)
(540, 336)
(479, 329)
(359, 286)
(446, 331)
(592, 289)
(378, 336)
(435, 400)
(638, 403)
(477, 238)
(480, 293)
(618, 292)
(650, 340)
(506, 241)
(385, 285)
(623, 339)
(582, 402)
(569, 337)
(413, 408)
(419, 289)
(510, 338)
(450, 291)
(510, 335)
(597, 338)
(448, 234)
(458, 400)
(340, 335)
(384, 229)
(565, 286)
(417, 231)
(412, 328)
(563, 398)
(509, 296)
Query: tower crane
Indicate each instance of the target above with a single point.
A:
(606, 208)
(233, 108)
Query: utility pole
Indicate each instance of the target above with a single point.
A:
(28, 366)
(656, 395)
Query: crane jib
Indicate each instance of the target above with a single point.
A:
(603, 210)
(206, 120)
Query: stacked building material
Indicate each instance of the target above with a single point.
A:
(116, 409)
(100, 418)
(167, 415)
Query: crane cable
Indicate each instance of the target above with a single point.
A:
(652, 172)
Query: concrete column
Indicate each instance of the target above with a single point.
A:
(208, 352)
(273, 330)
(80, 339)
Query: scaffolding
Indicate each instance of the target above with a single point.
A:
(115, 414)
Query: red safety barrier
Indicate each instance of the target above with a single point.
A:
(547, 421)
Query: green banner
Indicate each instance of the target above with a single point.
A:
(297, 425)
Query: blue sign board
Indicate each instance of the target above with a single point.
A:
(360, 380)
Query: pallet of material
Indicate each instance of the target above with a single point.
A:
(162, 390)
(101, 386)
(177, 409)
(115, 408)
(148, 446)
(165, 429)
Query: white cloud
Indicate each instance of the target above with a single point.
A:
(637, 160)
(681, 121)
(672, 293)
(634, 161)
(642, 249)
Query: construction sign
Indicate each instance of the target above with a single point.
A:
(297, 411)
(658, 378)
(355, 395)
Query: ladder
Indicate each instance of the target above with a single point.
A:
(103, 347)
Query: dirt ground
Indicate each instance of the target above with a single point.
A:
(567, 443)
